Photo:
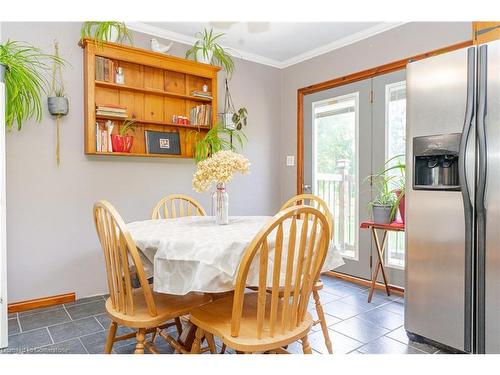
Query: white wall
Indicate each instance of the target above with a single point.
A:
(52, 245)
(404, 41)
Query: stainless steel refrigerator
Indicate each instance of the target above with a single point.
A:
(452, 294)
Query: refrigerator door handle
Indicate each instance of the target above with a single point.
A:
(464, 186)
(480, 198)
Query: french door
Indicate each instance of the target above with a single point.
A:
(349, 133)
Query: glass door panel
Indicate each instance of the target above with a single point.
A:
(335, 174)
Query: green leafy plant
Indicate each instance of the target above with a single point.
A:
(208, 44)
(240, 118)
(127, 125)
(102, 32)
(387, 185)
(214, 140)
(26, 68)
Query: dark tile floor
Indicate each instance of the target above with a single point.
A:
(355, 326)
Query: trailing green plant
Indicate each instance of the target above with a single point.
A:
(208, 42)
(102, 32)
(127, 125)
(26, 68)
(214, 140)
(240, 118)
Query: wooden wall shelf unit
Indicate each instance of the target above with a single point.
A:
(156, 87)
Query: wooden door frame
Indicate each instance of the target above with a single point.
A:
(350, 78)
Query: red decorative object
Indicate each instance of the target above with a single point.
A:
(122, 143)
(401, 206)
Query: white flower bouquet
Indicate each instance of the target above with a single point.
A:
(219, 168)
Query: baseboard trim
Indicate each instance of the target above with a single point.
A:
(41, 302)
(397, 290)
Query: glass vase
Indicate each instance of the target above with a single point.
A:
(220, 204)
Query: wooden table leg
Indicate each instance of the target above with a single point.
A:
(380, 264)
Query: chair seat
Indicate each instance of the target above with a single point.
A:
(168, 307)
(215, 317)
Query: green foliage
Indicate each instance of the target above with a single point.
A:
(25, 81)
(208, 42)
(387, 184)
(102, 31)
(240, 118)
(126, 126)
(215, 139)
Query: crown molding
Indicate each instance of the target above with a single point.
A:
(244, 55)
(350, 39)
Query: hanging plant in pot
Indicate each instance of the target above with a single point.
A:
(108, 31)
(24, 68)
(207, 50)
(122, 142)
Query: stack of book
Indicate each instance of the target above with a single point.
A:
(200, 115)
(111, 110)
(103, 136)
(104, 69)
(202, 94)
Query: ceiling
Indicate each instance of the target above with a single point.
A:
(279, 44)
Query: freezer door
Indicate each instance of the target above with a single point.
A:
(491, 291)
(436, 277)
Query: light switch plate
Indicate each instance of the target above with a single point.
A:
(290, 160)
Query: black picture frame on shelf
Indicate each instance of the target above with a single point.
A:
(162, 142)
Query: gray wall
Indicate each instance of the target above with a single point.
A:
(404, 41)
(52, 245)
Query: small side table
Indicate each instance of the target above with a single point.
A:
(395, 227)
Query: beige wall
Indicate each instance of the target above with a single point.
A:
(404, 41)
(52, 245)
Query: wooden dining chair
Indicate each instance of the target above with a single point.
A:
(177, 205)
(320, 204)
(140, 309)
(263, 321)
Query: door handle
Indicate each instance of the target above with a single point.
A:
(306, 187)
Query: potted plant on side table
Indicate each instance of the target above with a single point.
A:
(385, 204)
(122, 142)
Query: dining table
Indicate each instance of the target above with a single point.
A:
(194, 254)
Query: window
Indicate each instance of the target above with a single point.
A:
(335, 166)
(395, 124)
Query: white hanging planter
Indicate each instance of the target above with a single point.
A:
(204, 58)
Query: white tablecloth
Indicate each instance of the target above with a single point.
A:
(195, 254)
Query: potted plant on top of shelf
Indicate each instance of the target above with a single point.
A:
(207, 50)
(108, 31)
(24, 68)
(122, 142)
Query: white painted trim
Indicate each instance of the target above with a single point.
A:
(189, 40)
(185, 39)
(351, 39)
(3, 227)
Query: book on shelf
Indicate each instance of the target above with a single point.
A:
(162, 142)
(104, 69)
(201, 115)
(202, 94)
(103, 136)
(111, 110)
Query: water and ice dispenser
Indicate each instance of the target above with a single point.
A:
(436, 162)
